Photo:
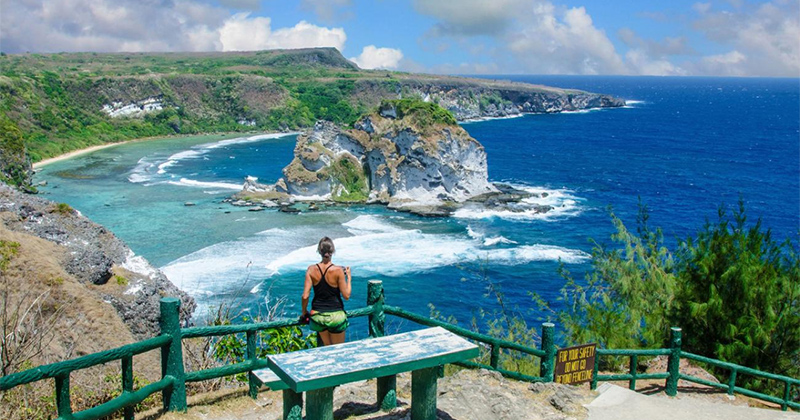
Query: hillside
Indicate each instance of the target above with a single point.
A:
(68, 101)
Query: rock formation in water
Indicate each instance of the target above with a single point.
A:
(410, 155)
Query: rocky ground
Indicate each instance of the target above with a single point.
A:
(95, 257)
(466, 395)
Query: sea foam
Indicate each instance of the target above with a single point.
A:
(376, 247)
(563, 203)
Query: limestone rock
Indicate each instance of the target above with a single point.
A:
(95, 256)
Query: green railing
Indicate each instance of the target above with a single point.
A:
(174, 378)
(673, 374)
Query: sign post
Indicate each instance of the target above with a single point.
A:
(574, 365)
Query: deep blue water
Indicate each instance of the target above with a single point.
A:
(684, 146)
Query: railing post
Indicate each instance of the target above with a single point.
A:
(172, 355)
(595, 370)
(252, 380)
(634, 366)
(377, 317)
(62, 397)
(674, 362)
(127, 383)
(732, 382)
(786, 392)
(387, 385)
(547, 366)
(494, 358)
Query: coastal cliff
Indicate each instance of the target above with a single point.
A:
(69, 101)
(91, 260)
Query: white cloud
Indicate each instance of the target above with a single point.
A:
(329, 10)
(133, 25)
(378, 58)
(537, 36)
(563, 42)
(641, 63)
(728, 64)
(762, 40)
(470, 17)
(304, 35)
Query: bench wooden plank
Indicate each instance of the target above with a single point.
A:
(269, 378)
(358, 360)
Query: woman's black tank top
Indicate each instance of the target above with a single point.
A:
(326, 297)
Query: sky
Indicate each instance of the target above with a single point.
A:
(591, 37)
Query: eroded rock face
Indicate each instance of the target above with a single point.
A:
(96, 255)
(387, 160)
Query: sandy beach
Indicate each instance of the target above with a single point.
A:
(74, 153)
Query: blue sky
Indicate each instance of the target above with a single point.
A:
(695, 38)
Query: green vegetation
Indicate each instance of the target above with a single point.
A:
(63, 209)
(120, 280)
(732, 288)
(422, 114)
(14, 165)
(53, 103)
(486, 101)
(8, 250)
(349, 174)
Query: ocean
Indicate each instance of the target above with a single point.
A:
(682, 146)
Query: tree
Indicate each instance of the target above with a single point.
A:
(738, 295)
(733, 289)
(627, 295)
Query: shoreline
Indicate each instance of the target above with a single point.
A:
(74, 153)
(90, 149)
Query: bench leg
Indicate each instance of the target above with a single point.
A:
(292, 405)
(423, 393)
(319, 405)
(387, 392)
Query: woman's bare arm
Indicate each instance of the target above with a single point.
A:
(345, 282)
(307, 290)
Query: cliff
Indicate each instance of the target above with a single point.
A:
(67, 101)
(96, 265)
(411, 155)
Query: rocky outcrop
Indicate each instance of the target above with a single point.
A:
(410, 155)
(471, 99)
(96, 257)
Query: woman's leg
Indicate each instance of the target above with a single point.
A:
(325, 336)
(336, 338)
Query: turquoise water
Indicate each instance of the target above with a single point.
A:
(684, 145)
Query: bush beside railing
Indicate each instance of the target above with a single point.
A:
(174, 378)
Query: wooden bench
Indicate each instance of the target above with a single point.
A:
(317, 371)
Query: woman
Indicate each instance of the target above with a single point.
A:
(331, 283)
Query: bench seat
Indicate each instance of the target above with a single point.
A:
(268, 378)
(320, 369)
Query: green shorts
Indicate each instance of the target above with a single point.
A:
(335, 322)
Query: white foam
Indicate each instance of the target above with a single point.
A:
(397, 252)
(494, 240)
(243, 140)
(365, 224)
(139, 265)
(144, 170)
(203, 184)
(376, 247)
(141, 172)
(474, 235)
(481, 119)
(562, 202)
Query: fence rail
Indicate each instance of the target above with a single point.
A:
(174, 378)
